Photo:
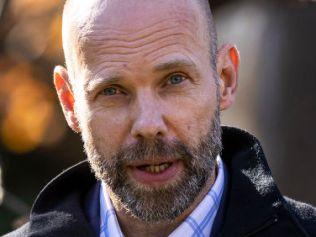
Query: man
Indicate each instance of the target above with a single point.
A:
(144, 86)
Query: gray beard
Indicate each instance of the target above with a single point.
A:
(157, 204)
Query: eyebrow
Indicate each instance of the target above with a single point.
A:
(93, 84)
(175, 63)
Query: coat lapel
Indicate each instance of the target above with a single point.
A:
(59, 210)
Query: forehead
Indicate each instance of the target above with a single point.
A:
(126, 13)
(117, 29)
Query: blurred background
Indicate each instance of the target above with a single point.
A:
(276, 100)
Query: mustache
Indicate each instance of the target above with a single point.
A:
(149, 150)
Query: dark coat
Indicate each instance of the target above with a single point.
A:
(252, 204)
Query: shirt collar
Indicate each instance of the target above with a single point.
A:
(198, 224)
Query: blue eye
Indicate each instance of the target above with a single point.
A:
(176, 79)
(110, 91)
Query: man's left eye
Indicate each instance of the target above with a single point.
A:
(176, 79)
(110, 91)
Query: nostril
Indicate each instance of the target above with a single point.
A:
(159, 134)
(148, 134)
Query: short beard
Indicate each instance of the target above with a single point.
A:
(157, 204)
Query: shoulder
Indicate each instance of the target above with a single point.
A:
(63, 207)
(305, 214)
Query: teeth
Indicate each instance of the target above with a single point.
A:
(157, 168)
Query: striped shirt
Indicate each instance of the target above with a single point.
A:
(198, 224)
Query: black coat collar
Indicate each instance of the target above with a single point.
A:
(252, 206)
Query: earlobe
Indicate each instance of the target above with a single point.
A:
(227, 68)
(66, 98)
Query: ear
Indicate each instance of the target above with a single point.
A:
(228, 60)
(66, 98)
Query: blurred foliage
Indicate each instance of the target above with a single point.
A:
(31, 42)
(34, 138)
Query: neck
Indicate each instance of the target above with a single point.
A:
(133, 227)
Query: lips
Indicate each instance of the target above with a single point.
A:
(155, 173)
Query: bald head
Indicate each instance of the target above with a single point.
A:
(81, 19)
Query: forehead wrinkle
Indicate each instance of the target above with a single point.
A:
(115, 49)
(102, 37)
(102, 57)
(127, 41)
(137, 48)
(122, 53)
(118, 44)
(167, 45)
(106, 66)
(133, 33)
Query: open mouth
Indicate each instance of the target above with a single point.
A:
(155, 169)
(155, 174)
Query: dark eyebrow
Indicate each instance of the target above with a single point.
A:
(176, 63)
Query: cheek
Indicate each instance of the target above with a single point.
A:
(108, 128)
(192, 117)
(100, 127)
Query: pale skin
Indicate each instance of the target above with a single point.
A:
(143, 74)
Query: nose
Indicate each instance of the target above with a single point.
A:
(149, 121)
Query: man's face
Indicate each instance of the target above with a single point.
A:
(147, 103)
